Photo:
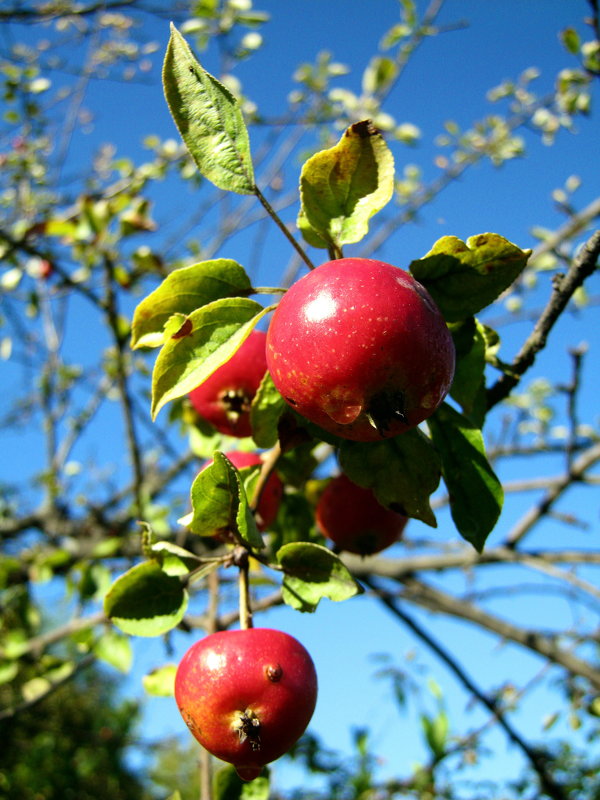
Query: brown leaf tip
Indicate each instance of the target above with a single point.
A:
(184, 331)
(364, 129)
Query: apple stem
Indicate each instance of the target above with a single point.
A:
(244, 588)
(275, 217)
(265, 471)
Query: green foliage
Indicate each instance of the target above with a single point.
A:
(313, 572)
(71, 745)
(197, 344)
(183, 291)
(403, 472)
(475, 493)
(463, 278)
(220, 505)
(208, 118)
(145, 601)
(79, 253)
(341, 188)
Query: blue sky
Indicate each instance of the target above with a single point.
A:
(448, 79)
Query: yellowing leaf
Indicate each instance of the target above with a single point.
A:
(341, 188)
(199, 344)
(183, 291)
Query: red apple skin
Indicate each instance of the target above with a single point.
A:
(247, 695)
(270, 499)
(224, 398)
(354, 520)
(359, 347)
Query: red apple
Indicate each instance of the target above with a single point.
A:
(270, 499)
(247, 695)
(354, 520)
(359, 347)
(224, 398)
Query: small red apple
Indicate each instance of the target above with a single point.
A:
(224, 398)
(358, 347)
(270, 499)
(247, 695)
(354, 520)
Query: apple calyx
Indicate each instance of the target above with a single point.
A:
(247, 726)
(385, 408)
(236, 403)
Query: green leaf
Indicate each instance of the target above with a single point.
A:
(476, 494)
(114, 649)
(464, 277)
(145, 601)
(468, 386)
(220, 504)
(265, 410)
(209, 119)
(436, 733)
(8, 671)
(199, 344)
(183, 291)
(161, 681)
(313, 572)
(402, 471)
(174, 560)
(227, 785)
(341, 188)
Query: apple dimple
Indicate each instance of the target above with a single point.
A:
(358, 347)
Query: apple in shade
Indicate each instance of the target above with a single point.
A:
(247, 695)
(354, 520)
(359, 348)
(225, 397)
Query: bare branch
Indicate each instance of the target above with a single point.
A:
(564, 287)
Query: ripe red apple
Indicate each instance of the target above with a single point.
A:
(270, 499)
(358, 347)
(224, 398)
(354, 520)
(247, 695)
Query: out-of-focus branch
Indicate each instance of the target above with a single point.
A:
(537, 758)
(13, 711)
(545, 645)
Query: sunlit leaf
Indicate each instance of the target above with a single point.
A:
(341, 188)
(464, 277)
(198, 344)
(313, 572)
(182, 292)
(468, 386)
(220, 504)
(209, 119)
(265, 410)
(115, 649)
(161, 681)
(145, 601)
(227, 785)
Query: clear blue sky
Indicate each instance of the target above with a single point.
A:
(448, 79)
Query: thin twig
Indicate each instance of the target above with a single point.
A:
(564, 287)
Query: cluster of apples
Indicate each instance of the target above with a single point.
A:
(358, 348)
